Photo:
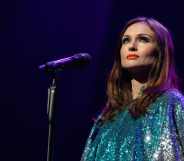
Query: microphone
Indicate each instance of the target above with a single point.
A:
(77, 60)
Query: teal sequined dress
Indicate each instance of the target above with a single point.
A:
(156, 136)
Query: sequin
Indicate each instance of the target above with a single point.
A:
(156, 136)
(147, 138)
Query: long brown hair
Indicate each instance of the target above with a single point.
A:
(162, 75)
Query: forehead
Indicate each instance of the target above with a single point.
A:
(139, 28)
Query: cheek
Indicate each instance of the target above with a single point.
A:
(148, 52)
(122, 54)
(147, 60)
(148, 56)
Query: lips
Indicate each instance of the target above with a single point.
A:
(132, 56)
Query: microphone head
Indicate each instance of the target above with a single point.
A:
(82, 58)
(77, 60)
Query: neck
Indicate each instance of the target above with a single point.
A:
(138, 81)
(136, 88)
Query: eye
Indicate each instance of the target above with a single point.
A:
(125, 40)
(144, 39)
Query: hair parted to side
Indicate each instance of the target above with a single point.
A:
(162, 75)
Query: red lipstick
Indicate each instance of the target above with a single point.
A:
(132, 56)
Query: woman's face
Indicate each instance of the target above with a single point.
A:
(139, 47)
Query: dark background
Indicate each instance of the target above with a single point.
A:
(35, 31)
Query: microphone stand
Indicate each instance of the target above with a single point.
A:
(52, 67)
(51, 119)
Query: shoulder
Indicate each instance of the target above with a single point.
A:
(174, 95)
(171, 97)
(175, 100)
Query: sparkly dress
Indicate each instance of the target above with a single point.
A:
(156, 136)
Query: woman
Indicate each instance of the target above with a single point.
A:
(144, 116)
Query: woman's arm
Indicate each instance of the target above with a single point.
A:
(179, 117)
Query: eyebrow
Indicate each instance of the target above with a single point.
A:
(141, 34)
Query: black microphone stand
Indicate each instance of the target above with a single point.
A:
(51, 119)
(78, 60)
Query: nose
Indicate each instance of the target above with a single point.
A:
(133, 46)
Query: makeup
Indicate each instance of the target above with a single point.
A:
(132, 56)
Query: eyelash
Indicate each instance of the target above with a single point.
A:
(124, 40)
(141, 38)
(145, 39)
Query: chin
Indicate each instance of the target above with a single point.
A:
(130, 66)
(136, 68)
